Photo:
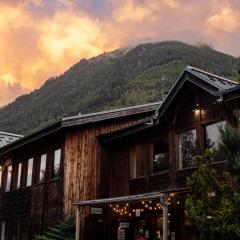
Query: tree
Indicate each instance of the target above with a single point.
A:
(62, 231)
(214, 203)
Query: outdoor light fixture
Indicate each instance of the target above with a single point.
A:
(196, 109)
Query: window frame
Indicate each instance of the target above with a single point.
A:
(53, 174)
(179, 152)
(27, 172)
(8, 185)
(39, 169)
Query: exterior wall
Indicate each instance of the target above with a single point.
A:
(181, 116)
(29, 210)
(82, 168)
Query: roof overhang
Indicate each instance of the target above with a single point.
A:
(130, 198)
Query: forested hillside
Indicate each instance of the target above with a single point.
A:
(111, 80)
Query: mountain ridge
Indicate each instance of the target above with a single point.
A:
(124, 77)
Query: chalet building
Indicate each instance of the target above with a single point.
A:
(44, 173)
(145, 165)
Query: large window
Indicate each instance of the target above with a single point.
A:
(213, 137)
(43, 162)
(187, 149)
(56, 163)
(160, 157)
(29, 172)
(213, 134)
(9, 178)
(19, 175)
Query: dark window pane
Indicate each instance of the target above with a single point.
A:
(9, 178)
(19, 175)
(56, 163)
(160, 157)
(42, 172)
(187, 149)
(29, 172)
(212, 138)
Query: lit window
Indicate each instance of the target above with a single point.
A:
(0, 176)
(29, 172)
(19, 175)
(9, 178)
(160, 157)
(56, 163)
(42, 172)
(187, 149)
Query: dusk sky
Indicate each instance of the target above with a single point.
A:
(40, 38)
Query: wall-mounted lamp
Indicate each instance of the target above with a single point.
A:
(196, 109)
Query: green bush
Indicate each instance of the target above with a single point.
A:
(62, 231)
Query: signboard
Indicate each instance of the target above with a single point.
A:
(124, 225)
(138, 212)
(97, 211)
(121, 234)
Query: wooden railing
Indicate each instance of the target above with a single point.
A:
(166, 180)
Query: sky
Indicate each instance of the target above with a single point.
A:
(40, 38)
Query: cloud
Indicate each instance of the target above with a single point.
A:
(40, 38)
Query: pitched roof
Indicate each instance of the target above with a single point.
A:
(221, 83)
(211, 83)
(6, 138)
(111, 114)
(80, 120)
(216, 85)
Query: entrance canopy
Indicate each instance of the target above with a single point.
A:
(161, 196)
(131, 198)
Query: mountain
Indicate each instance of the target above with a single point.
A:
(121, 78)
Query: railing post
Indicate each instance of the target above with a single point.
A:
(77, 237)
(164, 205)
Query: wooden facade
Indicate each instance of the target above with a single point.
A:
(44, 173)
(125, 152)
(196, 105)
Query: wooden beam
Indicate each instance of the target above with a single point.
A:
(77, 237)
(164, 206)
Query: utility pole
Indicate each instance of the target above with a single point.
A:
(162, 92)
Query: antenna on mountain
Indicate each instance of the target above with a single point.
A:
(162, 80)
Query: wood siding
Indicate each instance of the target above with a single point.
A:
(82, 165)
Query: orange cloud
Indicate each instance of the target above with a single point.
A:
(227, 19)
(39, 38)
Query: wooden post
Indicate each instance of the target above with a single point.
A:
(164, 205)
(165, 222)
(77, 224)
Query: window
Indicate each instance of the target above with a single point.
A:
(2, 228)
(29, 172)
(43, 161)
(19, 175)
(140, 159)
(187, 149)
(0, 176)
(9, 178)
(160, 157)
(212, 139)
(56, 163)
(213, 134)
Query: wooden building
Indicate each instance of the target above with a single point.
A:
(42, 174)
(154, 158)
